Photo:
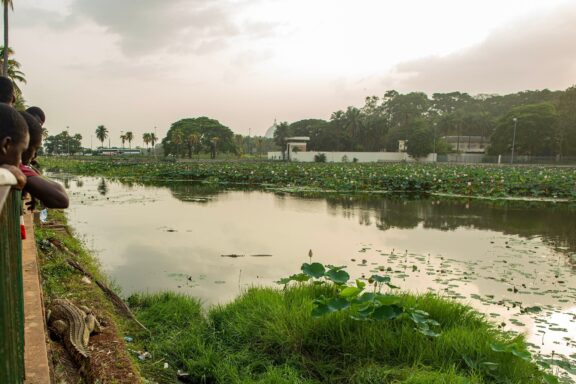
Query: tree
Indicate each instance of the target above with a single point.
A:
(537, 131)
(129, 138)
(63, 143)
(101, 133)
(420, 141)
(7, 4)
(123, 139)
(280, 134)
(193, 141)
(146, 140)
(567, 123)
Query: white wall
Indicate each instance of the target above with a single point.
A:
(363, 157)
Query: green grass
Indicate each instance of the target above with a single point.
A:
(269, 336)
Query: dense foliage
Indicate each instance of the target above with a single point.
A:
(545, 116)
(469, 180)
(63, 143)
(198, 134)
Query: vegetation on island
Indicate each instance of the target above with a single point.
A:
(465, 180)
(323, 330)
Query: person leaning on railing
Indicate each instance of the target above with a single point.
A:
(50, 193)
(13, 141)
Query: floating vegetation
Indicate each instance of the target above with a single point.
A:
(463, 180)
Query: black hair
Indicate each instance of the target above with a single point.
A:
(37, 112)
(12, 124)
(6, 90)
(34, 127)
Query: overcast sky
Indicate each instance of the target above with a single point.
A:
(133, 65)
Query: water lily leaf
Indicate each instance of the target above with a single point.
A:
(497, 347)
(524, 355)
(380, 279)
(338, 276)
(534, 309)
(321, 310)
(360, 284)
(367, 297)
(388, 299)
(300, 277)
(350, 292)
(338, 304)
(387, 312)
(315, 270)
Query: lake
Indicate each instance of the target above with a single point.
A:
(513, 261)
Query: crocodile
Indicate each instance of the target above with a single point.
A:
(74, 325)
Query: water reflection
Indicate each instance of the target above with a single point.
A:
(103, 187)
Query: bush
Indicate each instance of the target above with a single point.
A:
(320, 158)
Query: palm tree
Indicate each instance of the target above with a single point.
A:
(146, 140)
(123, 138)
(7, 3)
(101, 133)
(153, 140)
(129, 138)
(177, 138)
(192, 140)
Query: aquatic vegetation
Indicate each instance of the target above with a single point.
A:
(465, 180)
(272, 336)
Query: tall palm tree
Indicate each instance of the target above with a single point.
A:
(153, 140)
(129, 138)
(7, 3)
(192, 140)
(146, 139)
(123, 138)
(101, 133)
(178, 138)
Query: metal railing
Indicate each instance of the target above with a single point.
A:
(11, 291)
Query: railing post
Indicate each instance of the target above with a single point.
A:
(11, 292)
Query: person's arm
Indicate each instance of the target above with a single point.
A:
(20, 177)
(50, 193)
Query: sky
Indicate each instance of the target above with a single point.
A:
(141, 65)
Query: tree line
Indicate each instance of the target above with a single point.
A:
(545, 122)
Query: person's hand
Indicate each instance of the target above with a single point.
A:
(31, 204)
(20, 178)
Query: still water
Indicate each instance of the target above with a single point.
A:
(514, 262)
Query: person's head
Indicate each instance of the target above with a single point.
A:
(35, 132)
(7, 95)
(14, 135)
(37, 113)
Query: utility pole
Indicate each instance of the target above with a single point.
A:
(515, 120)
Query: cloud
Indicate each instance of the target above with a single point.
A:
(176, 26)
(535, 53)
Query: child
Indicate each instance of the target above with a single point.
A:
(14, 140)
(49, 192)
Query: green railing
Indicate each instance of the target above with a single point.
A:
(11, 292)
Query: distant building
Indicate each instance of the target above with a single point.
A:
(270, 131)
(296, 144)
(117, 151)
(467, 144)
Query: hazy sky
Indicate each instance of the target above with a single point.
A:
(136, 64)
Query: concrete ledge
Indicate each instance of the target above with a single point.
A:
(35, 336)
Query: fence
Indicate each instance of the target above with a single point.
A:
(469, 158)
(11, 292)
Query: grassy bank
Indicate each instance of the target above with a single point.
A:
(270, 336)
(467, 180)
(109, 361)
